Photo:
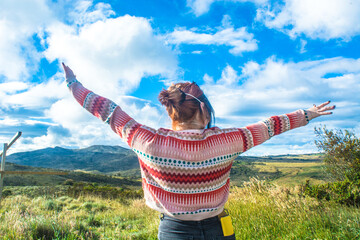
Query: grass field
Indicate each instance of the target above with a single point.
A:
(293, 174)
(271, 209)
(259, 211)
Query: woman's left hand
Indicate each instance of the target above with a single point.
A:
(322, 109)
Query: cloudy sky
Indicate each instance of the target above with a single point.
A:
(253, 59)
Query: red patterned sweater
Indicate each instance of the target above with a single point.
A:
(185, 174)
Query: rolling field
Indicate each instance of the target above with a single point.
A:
(293, 174)
(261, 209)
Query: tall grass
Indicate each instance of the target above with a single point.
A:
(265, 211)
(75, 218)
(259, 211)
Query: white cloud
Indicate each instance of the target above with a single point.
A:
(9, 88)
(238, 39)
(111, 56)
(20, 21)
(277, 87)
(320, 19)
(12, 87)
(31, 122)
(196, 52)
(200, 7)
(85, 12)
(302, 46)
(9, 122)
(323, 19)
(38, 95)
(75, 127)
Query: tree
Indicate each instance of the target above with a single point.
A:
(342, 153)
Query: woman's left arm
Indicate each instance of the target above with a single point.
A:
(258, 133)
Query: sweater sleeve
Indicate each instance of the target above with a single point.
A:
(104, 109)
(260, 132)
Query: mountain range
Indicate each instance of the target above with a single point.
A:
(98, 158)
(116, 165)
(114, 160)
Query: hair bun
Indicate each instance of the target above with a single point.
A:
(164, 98)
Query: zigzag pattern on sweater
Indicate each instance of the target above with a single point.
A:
(179, 202)
(179, 178)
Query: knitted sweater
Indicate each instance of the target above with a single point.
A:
(185, 174)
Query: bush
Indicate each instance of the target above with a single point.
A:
(342, 163)
(69, 182)
(6, 193)
(103, 191)
(93, 221)
(85, 232)
(53, 205)
(342, 153)
(344, 192)
(43, 231)
(88, 206)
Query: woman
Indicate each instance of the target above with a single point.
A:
(185, 171)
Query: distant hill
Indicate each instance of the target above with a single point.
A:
(103, 159)
(52, 180)
(315, 157)
(119, 166)
(119, 161)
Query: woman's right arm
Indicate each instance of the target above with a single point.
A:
(102, 108)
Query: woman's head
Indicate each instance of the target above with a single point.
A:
(186, 104)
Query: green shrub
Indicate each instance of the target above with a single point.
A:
(93, 221)
(52, 205)
(42, 231)
(65, 199)
(104, 191)
(6, 193)
(73, 207)
(85, 232)
(69, 182)
(342, 163)
(344, 192)
(342, 153)
(88, 206)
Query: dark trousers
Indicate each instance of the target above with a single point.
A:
(207, 229)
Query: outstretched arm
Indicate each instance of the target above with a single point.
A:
(102, 108)
(258, 133)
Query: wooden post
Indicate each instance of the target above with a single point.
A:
(3, 168)
(17, 135)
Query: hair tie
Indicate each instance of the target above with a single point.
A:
(193, 97)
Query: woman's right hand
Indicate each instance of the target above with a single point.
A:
(69, 74)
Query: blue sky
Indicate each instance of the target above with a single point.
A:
(253, 59)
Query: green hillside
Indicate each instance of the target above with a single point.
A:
(104, 159)
(317, 157)
(90, 165)
(53, 180)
